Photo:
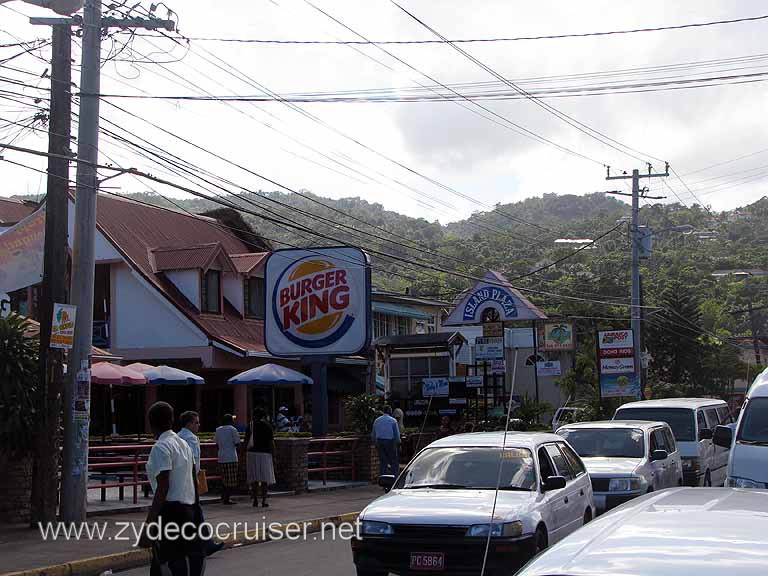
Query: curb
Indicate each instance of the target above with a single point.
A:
(96, 565)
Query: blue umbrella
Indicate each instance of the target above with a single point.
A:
(166, 375)
(269, 374)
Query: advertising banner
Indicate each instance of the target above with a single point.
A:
(489, 348)
(474, 382)
(63, 327)
(21, 253)
(318, 302)
(619, 386)
(615, 339)
(498, 366)
(435, 387)
(555, 337)
(616, 352)
(617, 365)
(548, 368)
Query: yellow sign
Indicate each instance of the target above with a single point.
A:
(63, 327)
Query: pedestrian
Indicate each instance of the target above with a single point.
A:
(260, 444)
(282, 423)
(190, 426)
(176, 503)
(227, 440)
(386, 434)
(398, 415)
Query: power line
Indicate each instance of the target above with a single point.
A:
(483, 40)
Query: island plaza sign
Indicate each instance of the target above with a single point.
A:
(318, 302)
(493, 291)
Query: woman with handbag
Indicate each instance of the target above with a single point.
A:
(260, 442)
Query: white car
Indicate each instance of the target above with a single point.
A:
(625, 458)
(675, 532)
(437, 515)
(693, 421)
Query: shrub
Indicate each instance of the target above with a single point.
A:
(363, 409)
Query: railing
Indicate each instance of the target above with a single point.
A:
(125, 466)
(320, 449)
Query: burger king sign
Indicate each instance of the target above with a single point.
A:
(318, 301)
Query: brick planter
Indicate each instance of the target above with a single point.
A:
(367, 460)
(290, 460)
(16, 489)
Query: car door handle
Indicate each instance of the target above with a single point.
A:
(581, 492)
(566, 500)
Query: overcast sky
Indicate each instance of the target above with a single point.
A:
(345, 154)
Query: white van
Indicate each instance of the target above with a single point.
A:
(748, 461)
(693, 421)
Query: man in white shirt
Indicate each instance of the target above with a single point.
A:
(386, 434)
(171, 473)
(228, 440)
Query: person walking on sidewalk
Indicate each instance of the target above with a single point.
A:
(227, 440)
(260, 445)
(386, 434)
(190, 426)
(171, 472)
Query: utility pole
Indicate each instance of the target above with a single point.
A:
(635, 238)
(77, 403)
(54, 286)
(755, 333)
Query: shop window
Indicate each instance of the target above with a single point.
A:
(254, 298)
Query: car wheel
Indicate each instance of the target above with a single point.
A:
(587, 516)
(541, 540)
(707, 480)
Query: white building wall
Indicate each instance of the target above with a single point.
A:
(232, 286)
(188, 282)
(143, 318)
(104, 250)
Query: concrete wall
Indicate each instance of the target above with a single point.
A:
(188, 282)
(142, 318)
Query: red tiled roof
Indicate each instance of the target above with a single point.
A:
(12, 211)
(137, 230)
(202, 256)
(249, 263)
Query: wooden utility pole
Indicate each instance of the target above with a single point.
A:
(54, 288)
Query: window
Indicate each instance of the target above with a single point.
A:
(605, 442)
(712, 418)
(700, 420)
(671, 446)
(576, 464)
(381, 325)
(658, 440)
(679, 419)
(254, 298)
(403, 326)
(754, 422)
(561, 464)
(725, 415)
(545, 466)
(210, 295)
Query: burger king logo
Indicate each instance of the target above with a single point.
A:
(311, 302)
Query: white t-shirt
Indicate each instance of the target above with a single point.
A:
(227, 439)
(172, 453)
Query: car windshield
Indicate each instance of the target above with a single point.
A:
(679, 419)
(470, 467)
(754, 422)
(606, 442)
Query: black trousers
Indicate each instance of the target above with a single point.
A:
(179, 556)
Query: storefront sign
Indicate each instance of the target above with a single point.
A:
(616, 352)
(21, 253)
(457, 401)
(489, 348)
(615, 339)
(555, 337)
(318, 302)
(617, 365)
(435, 387)
(619, 386)
(498, 366)
(548, 368)
(63, 327)
(474, 382)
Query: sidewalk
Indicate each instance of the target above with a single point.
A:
(24, 549)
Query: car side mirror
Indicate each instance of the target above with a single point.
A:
(387, 481)
(658, 455)
(554, 483)
(723, 436)
(705, 434)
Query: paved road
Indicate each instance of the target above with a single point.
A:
(310, 558)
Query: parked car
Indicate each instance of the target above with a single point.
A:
(675, 532)
(564, 415)
(437, 514)
(693, 421)
(748, 460)
(625, 458)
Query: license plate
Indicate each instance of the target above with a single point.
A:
(432, 561)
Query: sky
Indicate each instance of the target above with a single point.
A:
(436, 160)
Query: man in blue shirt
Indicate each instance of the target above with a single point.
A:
(386, 434)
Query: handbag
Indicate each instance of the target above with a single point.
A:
(202, 482)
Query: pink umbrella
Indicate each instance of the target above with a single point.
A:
(139, 367)
(114, 375)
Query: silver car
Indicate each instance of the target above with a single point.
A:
(625, 458)
(676, 532)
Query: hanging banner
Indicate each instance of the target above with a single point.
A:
(63, 327)
(435, 387)
(548, 368)
(489, 348)
(617, 364)
(555, 337)
(21, 253)
(619, 386)
(615, 339)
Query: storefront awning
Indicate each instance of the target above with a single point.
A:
(399, 310)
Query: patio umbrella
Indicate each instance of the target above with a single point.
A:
(113, 375)
(270, 375)
(167, 375)
(139, 367)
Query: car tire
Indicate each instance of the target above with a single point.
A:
(540, 540)
(707, 480)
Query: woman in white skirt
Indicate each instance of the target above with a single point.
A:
(260, 442)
